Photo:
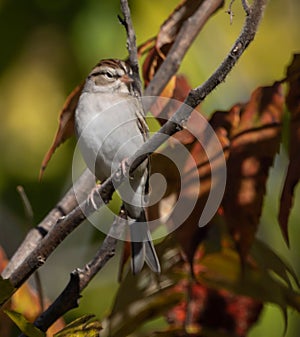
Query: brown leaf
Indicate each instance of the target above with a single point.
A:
(182, 180)
(255, 133)
(166, 37)
(66, 125)
(181, 177)
(250, 136)
(293, 172)
(177, 89)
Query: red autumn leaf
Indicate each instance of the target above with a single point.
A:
(218, 310)
(255, 133)
(66, 126)
(293, 172)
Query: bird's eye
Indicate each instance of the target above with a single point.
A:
(109, 75)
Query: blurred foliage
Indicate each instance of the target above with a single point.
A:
(48, 47)
(26, 327)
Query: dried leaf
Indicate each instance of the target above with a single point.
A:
(66, 125)
(254, 133)
(293, 172)
(180, 176)
(166, 37)
(183, 178)
(177, 89)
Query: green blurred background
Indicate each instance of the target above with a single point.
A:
(49, 46)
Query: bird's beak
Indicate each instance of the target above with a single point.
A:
(127, 79)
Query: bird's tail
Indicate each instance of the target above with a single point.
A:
(142, 248)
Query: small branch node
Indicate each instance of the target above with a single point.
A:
(122, 21)
(247, 7)
(237, 49)
(41, 260)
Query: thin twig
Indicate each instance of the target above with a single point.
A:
(246, 7)
(29, 217)
(131, 47)
(26, 204)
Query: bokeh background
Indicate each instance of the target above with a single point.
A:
(48, 47)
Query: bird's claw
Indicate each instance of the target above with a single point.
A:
(93, 195)
(123, 170)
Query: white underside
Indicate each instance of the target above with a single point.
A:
(106, 136)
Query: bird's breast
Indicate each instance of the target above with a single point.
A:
(107, 131)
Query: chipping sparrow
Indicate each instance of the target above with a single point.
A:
(110, 127)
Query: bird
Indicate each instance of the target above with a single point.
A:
(110, 127)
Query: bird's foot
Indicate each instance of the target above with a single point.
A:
(95, 197)
(123, 171)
